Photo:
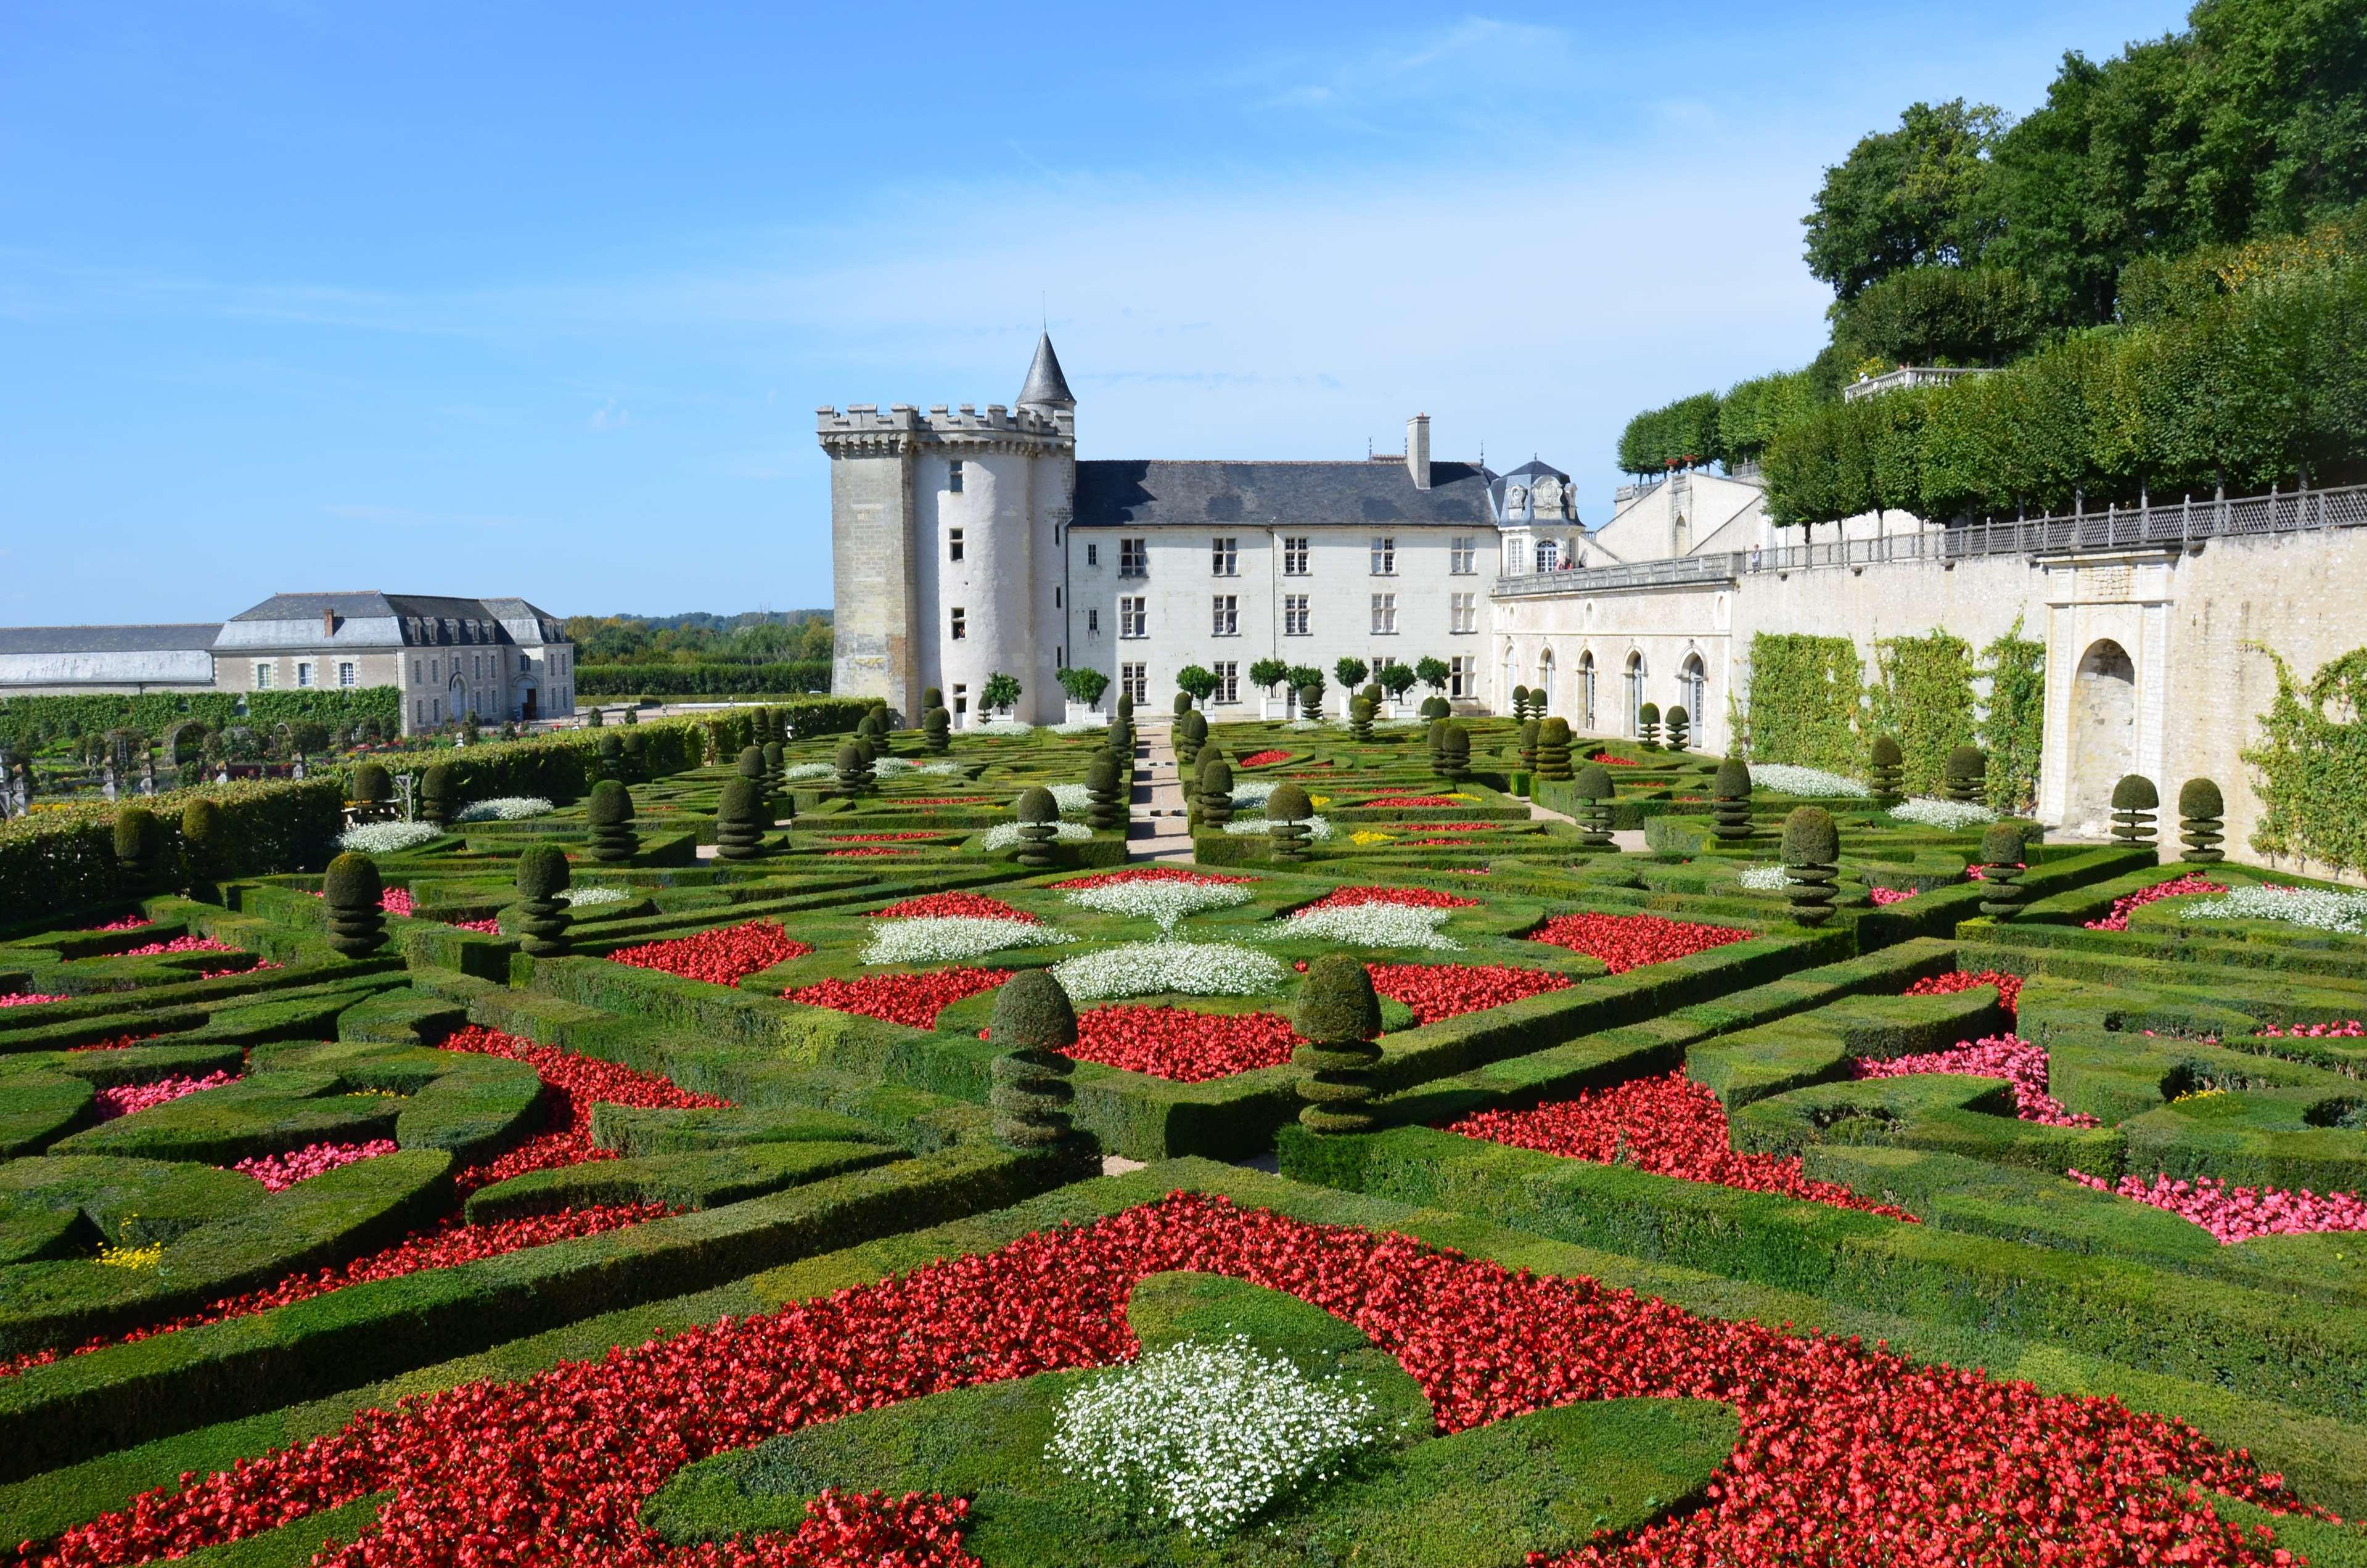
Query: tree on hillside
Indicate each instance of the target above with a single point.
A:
(1913, 196)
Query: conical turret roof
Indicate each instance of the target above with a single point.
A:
(1046, 388)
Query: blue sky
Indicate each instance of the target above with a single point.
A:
(540, 300)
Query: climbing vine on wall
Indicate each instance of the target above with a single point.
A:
(1922, 693)
(2014, 725)
(1804, 700)
(2312, 761)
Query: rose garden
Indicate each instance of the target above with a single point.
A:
(778, 1138)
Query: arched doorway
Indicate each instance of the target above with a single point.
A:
(2103, 731)
(1695, 681)
(1544, 689)
(1635, 693)
(1586, 691)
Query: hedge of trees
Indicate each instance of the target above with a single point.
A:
(31, 723)
(705, 678)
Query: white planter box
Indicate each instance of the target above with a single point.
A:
(1078, 713)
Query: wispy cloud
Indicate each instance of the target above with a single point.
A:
(608, 416)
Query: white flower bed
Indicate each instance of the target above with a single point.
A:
(1001, 727)
(944, 938)
(1370, 925)
(1189, 969)
(805, 770)
(1249, 792)
(1002, 835)
(1071, 798)
(1081, 727)
(1400, 723)
(579, 897)
(1318, 829)
(505, 808)
(1814, 782)
(2319, 908)
(1166, 902)
(1302, 724)
(1948, 814)
(941, 769)
(386, 837)
(889, 767)
(1204, 1435)
(1762, 879)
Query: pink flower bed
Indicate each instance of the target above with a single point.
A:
(2242, 1213)
(1150, 874)
(2010, 1057)
(281, 1172)
(177, 945)
(129, 1099)
(1882, 896)
(2350, 1028)
(128, 923)
(2118, 920)
(28, 998)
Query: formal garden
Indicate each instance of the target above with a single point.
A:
(775, 1139)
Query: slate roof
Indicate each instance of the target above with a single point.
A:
(1046, 385)
(1532, 468)
(1148, 492)
(107, 639)
(367, 616)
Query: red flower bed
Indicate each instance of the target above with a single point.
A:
(870, 853)
(572, 1084)
(2118, 920)
(878, 837)
(977, 905)
(2010, 1057)
(1181, 1045)
(118, 1043)
(1669, 1126)
(130, 1100)
(1405, 802)
(1433, 844)
(1263, 758)
(938, 801)
(1848, 1453)
(723, 957)
(914, 999)
(1450, 826)
(489, 926)
(1413, 898)
(281, 1172)
(1608, 760)
(1436, 990)
(1149, 874)
(2008, 986)
(1630, 941)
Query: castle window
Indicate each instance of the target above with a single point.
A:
(1385, 555)
(1463, 612)
(1093, 555)
(961, 700)
(1093, 622)
(262, 677)
(1229, 682)
(1134, 680)
(1224, 555)
(954, 476)
(345, 673)
(1134, 558)
(1058, 597)
(1548, 555)
(961, 623)
(1463, 677)
(1385, 615)
(953, 544)
(1294, 615)
(303, 673)
(1225, 620)
(1133, 615)
(1294, 555)
(1463, 556)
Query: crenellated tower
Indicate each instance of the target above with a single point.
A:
(947, 532)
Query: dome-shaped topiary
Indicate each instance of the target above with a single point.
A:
(542, 913)
(1966, 774)
(1286, 810)
(1126, 705)
(137, 836)
(1812, 853)
(1595, 791)
(2002, 849)
(439, 789)
(371, 786)
(1520, 702)
(773, 767)
(740, 820)
(351, 892)
(1213, 800)
(1338, 1016)
(853, 765)
(1036, 803)
(1455, 755)
(1886, 768)
(1103, 787)
(1529, 728)
(932, 697)
(2203, 825)
(937, 730)
(1289, 803)
(541, 870)
(1677, 728)
(1593, 783)
(1033, 1026)
(610, 813)
(1553, 749)
(1038, 814)
(1310, 702)
(1647, 725)
(751, 763)
(1729, 794)
(2135, 800)
(205, 850)
(1360, 719)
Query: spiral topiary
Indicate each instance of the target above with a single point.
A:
(1730, 796)
(751, 764)
(1121, 746)
(775, 767)
(139, 846)
(1214, 798)
(855, 775)
(1529, 728)
(1437, 737)
(1553, 749)
(1286, 810)
(438, 794)
(2202, 814)
(635, 762)
(608, 755)
(1125, 705)
(205, 849)
(2135, 803)
(542, 913)
(740, 820)
(351, 892)
(1967, 774)
(1520, 702)
(1677, 729)
(1455, 759)
(609, 812)
(1886, 768)
(1338, 1017)
(1191, 733)
(1106, 791)
(937, 732)
(2001, 860)
(1039, 817)
(1595, 791)
(1360, 719)
(1310, 703)
(1647, 726)
(1812, 857)
(1032, 1029)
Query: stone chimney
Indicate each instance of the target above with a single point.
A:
(1418, 450)
(328, 622)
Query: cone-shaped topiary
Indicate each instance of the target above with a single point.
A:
(1553, 749)
(1286, 810)
(139, 846)
(204, 848)
(1372, 694)
(1032, 1029)
(1126, 705)
(854, 775)
(610, 812)
(1729, 795)
(740, 820)
(751, 764)
(2135, 806)
(1104, 790)
(1454, 758)
(1360, 719)
(1338, 1017)
(438, 794)
(1595, 791)
(1121, 746)
(351, 892)
(1647, 726)
(1213, 799)
(1885, 768)
(2202, 821)
(542, 913)
(1039, 816)
(1529, 728)
(1310, 703)
(1967, 774)
(1677, 728)
(2001, 870)
(1812, 856)
(937, 732)
(1438, 707)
